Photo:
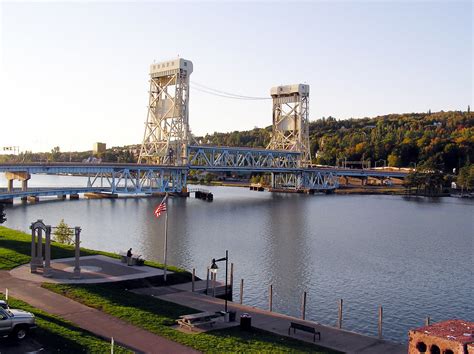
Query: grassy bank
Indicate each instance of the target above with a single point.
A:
(59, 335)
(158, 316)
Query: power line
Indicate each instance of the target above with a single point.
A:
(220, 93)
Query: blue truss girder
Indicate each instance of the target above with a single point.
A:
(218, 158)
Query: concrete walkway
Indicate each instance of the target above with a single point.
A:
(94, 269)
(333, 338)
(90, 319)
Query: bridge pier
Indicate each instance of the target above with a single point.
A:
(33, 198)
(22, 176)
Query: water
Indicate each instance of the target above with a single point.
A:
(413, 256)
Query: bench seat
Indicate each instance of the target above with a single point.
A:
(305, 328)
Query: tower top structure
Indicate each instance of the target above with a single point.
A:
(171, 67)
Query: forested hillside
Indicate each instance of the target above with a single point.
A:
(442, 139)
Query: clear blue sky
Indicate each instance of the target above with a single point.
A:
(75, 73)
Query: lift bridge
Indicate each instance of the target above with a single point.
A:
(167, 152)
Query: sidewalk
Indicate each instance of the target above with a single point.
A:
(331, 337)
(90, 319)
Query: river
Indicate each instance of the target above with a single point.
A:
(414, 256)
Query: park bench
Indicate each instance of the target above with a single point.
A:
(305, 328)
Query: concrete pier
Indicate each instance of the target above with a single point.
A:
(100, 195)
(331, 337)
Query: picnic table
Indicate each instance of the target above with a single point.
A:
(196, 320)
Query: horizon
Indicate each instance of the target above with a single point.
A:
(90, 80)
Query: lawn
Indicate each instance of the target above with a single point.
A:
(158, 316)
(59, 335)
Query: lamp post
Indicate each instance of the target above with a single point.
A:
(214, 268)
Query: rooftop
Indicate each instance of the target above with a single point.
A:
(456, 330)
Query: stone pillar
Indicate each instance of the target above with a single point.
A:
(33, 251)
(10, 185)
(77, 267)
(47, 253)
(24, 185)
(39, 249)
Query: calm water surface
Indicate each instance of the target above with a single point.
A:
(413, 256)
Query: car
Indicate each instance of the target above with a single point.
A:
(16, 323)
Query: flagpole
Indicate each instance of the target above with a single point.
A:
(166, 236)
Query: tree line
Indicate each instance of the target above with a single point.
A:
(441, 139)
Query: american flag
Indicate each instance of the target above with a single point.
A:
(160, 209)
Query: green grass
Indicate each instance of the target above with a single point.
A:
(158, 316)
(59, 335)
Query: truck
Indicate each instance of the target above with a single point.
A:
(15, 323)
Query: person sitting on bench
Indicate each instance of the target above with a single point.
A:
(129, 257)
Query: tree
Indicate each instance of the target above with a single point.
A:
(393, 160)
(63, 233)
(466, 178)
(2, 214)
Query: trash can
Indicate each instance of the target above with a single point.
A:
(246, 322)
(232, 316)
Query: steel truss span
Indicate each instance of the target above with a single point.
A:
(103, 178)
(214, 158)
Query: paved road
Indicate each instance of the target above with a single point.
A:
(90, 319)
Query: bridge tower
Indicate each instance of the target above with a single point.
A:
(167, 133)
(291, 120)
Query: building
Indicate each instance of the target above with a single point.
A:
(447, 337)
(99, 148)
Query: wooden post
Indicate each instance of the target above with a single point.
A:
(303, 306)
(6, 294)
(193, 279)
(241, 291)
(339, 320)
(270, 298)
(380, 321)
(112, 346)
(231, 278)
(427, 321)
(207, 280)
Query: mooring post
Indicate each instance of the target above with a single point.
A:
(193, 279)
(270, 298)
(339, 319)
(207, 280)
(241, 290)
(231, 278)
(427, 321)
(303, 306)
(380, 321)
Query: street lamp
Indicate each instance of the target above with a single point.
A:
(214, 269)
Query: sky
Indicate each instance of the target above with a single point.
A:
(75, 73)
